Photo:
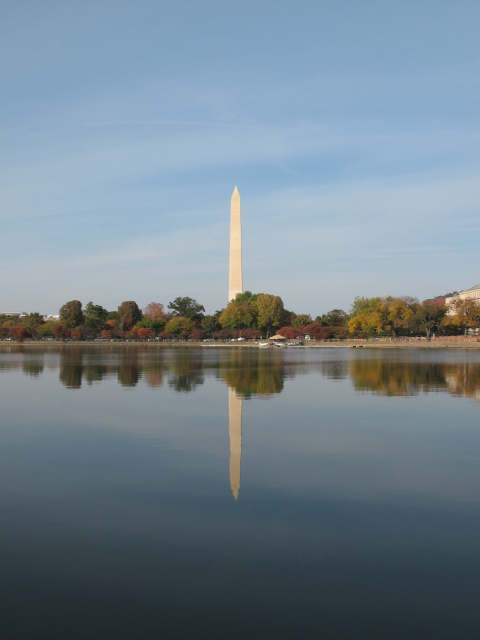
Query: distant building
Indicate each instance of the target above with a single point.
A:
(467, 294)
(51, 318)
(14, 314)
(440, 300)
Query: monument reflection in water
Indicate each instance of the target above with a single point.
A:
(351, 507)
(235, 432)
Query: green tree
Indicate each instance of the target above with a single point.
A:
(398, 312)
(381, 315)
(301, 320)
(363, 305)
(32, 323)
(334, 318)
(367, 316)
(95, 317)
(154, 324)
(47, 329)
(71, 314)
(180, 326)
(429, 316)
(210, 324)
(187, 308)
(269, 311)
(288, 318)
(467, 314)
(246, 296)
(129, 314)
(238, 315)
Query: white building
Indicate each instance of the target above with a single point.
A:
(14, 314)
(467, 294)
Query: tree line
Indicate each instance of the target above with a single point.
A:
(249, 316)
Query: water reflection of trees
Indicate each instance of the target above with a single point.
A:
(154, 377)
(129, 368)
(79, 365)
(71, 368)
(33, 367)
(13, 357)
(186, 371)
(397, 378)
(260, 373)
(249, 372)
(464, 380)
(335, 369)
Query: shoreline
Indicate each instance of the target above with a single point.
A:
(437, 343)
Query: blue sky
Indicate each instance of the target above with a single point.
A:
(351, 130)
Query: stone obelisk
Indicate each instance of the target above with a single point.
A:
(235, 431)
(235, 284)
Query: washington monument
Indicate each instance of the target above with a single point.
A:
(235, 284)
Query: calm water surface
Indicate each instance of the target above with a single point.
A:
(209, 493)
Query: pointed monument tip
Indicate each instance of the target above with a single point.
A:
(235, 190)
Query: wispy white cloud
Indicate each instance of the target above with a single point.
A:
(108, 171)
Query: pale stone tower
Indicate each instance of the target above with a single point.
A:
(235, 284)
(235, 431)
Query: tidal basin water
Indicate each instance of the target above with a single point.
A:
(209, 493)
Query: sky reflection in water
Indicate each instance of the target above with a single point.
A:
(237, 493)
